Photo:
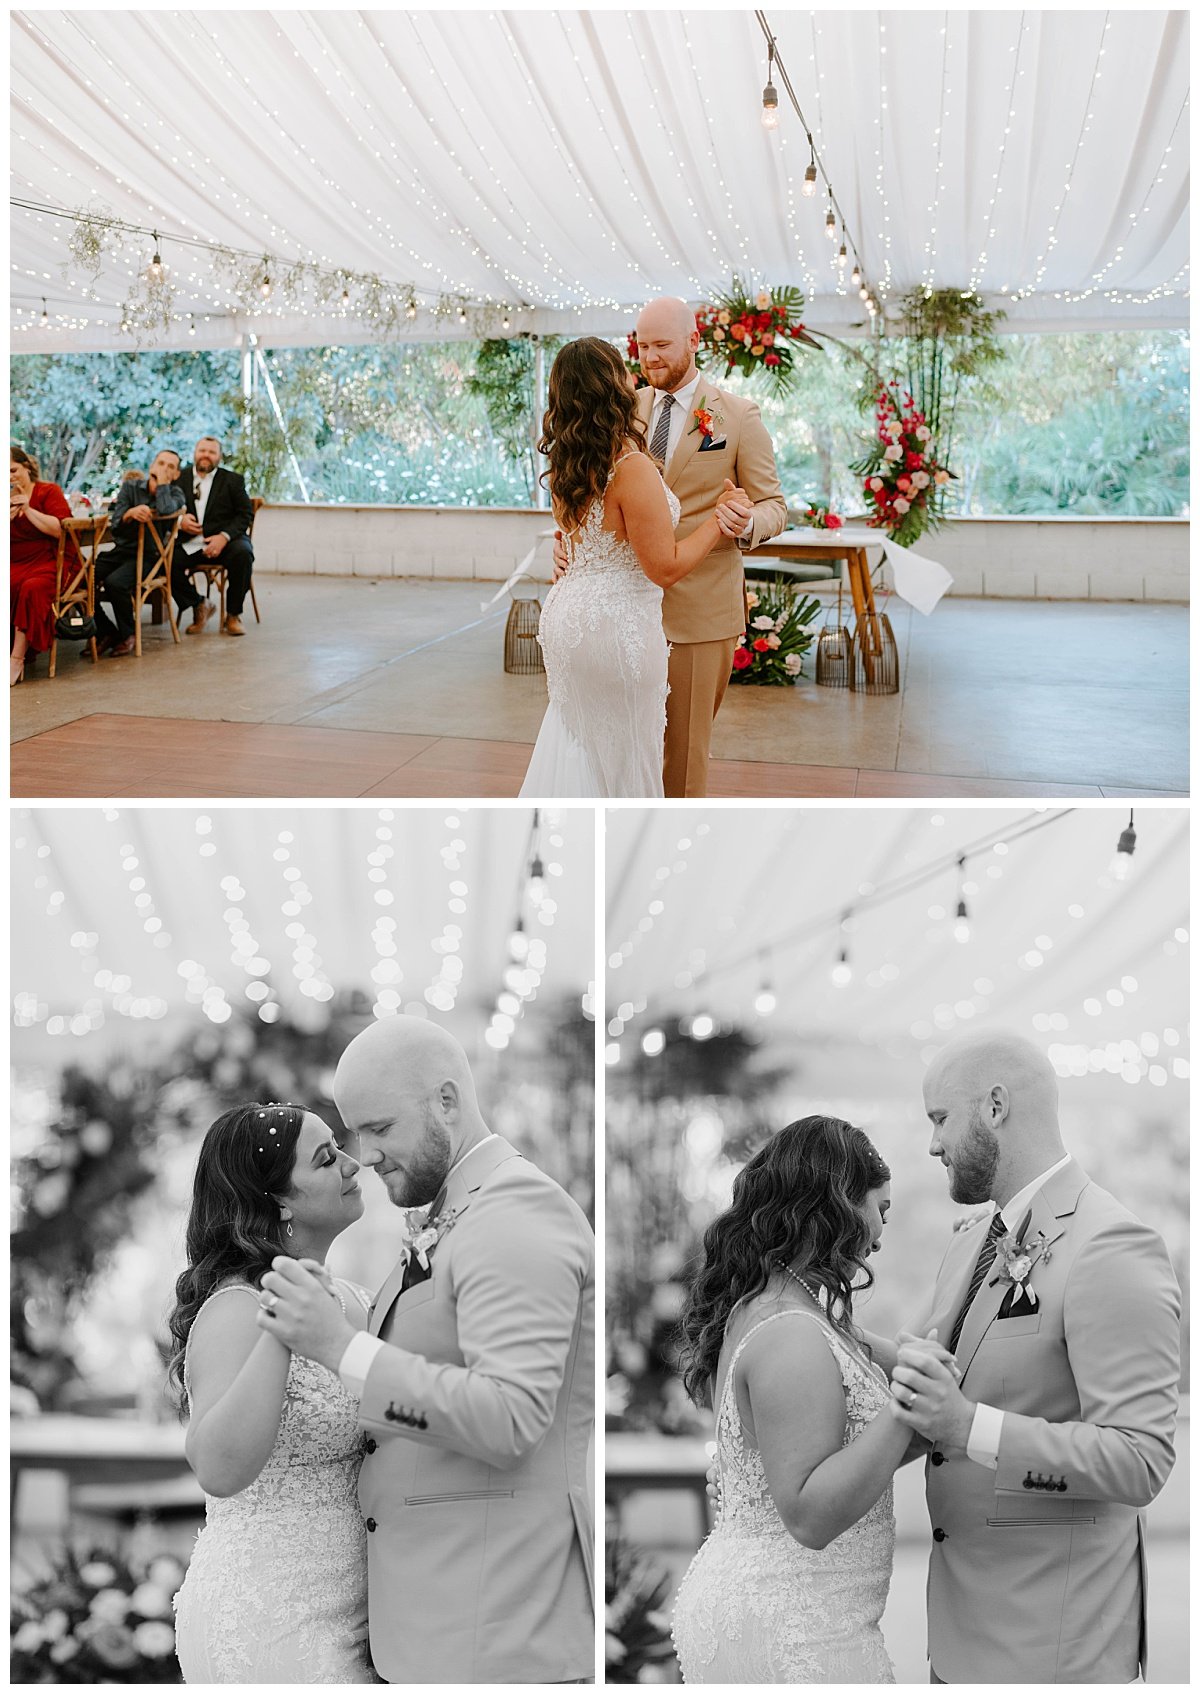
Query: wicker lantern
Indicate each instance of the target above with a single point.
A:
(522, 654)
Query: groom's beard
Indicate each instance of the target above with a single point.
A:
(424, 1173)
(669, 377)
(973, 1167)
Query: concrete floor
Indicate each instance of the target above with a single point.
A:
(992, 692)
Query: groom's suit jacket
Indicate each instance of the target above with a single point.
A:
(710, 603)
(479, 1413)
(1038, 1568)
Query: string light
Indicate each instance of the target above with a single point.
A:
(156, 264)
(809, 186)
(1123, 857)
(962, 923)
(841, 255)
(45, 315)
(831, 226)
(770, 96)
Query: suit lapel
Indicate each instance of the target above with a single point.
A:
(956, 1276)
(1053, 1202)
(455, 1197)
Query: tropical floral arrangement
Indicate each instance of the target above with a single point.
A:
(902, 478)
(96, 1618)
(746, 332)
(817, 516)
(777, 635)
(637, 1630)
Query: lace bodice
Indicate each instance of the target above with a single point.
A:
(756, 1605)
(277, 1581)
(605, 652)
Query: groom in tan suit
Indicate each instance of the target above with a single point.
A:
(1062, 1312)
(474, 1381)
(703, 615)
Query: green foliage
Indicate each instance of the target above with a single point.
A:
(504, 378)
(87, 417)
(1088, 423)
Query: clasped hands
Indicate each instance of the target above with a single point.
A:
(298, 1306)
(733, 512)
(214, 546)
(925, 1392)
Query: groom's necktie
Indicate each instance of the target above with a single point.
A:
(662, 429)
(414, 1272)
(983, 1264)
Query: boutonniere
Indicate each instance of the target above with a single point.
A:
(706, 420)
(1016, 1257)
(425, 1233)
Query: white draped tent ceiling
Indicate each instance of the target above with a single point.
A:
(705, 910)
(124, 918)
(557, 168)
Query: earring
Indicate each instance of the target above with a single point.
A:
(290, 1231)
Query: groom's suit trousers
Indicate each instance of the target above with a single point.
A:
(1037, 1572)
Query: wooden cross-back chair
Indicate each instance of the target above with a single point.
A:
(154, 573)
(75, 574)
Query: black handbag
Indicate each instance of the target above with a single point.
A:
(75, 625)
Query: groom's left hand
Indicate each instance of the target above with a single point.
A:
(301, 1311)
(926, 1395)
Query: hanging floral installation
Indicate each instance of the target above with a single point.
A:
(258, 283)
(902, 479)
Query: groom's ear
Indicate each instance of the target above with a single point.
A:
(999, 1102)
(450, 1098)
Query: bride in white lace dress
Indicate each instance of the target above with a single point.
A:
(601, 628)
(791, 1584)
(276, 1590)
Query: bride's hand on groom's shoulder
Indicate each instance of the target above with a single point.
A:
(299, 1308)
(925, 1391)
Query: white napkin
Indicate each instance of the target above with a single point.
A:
(920, 581)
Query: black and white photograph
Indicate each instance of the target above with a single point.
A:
(303, 1290)
(897, 1169)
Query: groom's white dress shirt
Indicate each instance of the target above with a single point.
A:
(361, 1348)
(983, 1443)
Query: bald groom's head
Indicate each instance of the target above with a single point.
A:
(404, 1087)
(992, 1098)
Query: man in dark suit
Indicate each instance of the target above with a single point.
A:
(219, 515)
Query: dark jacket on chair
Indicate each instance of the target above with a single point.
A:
(229, 510)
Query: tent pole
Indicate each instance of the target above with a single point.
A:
(539, 408)
(287, 440)
(246, 343)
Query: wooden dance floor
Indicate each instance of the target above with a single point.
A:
(109, 755)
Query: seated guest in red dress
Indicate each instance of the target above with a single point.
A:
(35, 511)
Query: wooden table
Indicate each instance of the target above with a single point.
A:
(634, 1461)
(849, 544)
(96, 1450)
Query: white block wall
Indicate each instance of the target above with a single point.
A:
(1028, 558)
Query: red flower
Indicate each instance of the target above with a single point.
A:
(772, 359)
(832, 521)
(913, 461)
(761, 645)
(741, 658)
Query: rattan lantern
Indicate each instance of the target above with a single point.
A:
(876, 656)
(522, 654)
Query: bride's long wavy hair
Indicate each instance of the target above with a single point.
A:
(590, 415)
(234, 1228)
(798, 1202)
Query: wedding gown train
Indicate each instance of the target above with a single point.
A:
(606, 667)
(755, 1605)
(277, 1586)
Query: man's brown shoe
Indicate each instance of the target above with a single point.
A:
(233, 625)
(200, 617)
(122, 649)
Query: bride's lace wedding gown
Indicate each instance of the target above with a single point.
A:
(756, 1606)
(606, 666)
(277, 1586)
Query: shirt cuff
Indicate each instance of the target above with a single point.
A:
(357, 1360)
(983, 1443)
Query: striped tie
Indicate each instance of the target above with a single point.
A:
(983, 1264)
(662, 429)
